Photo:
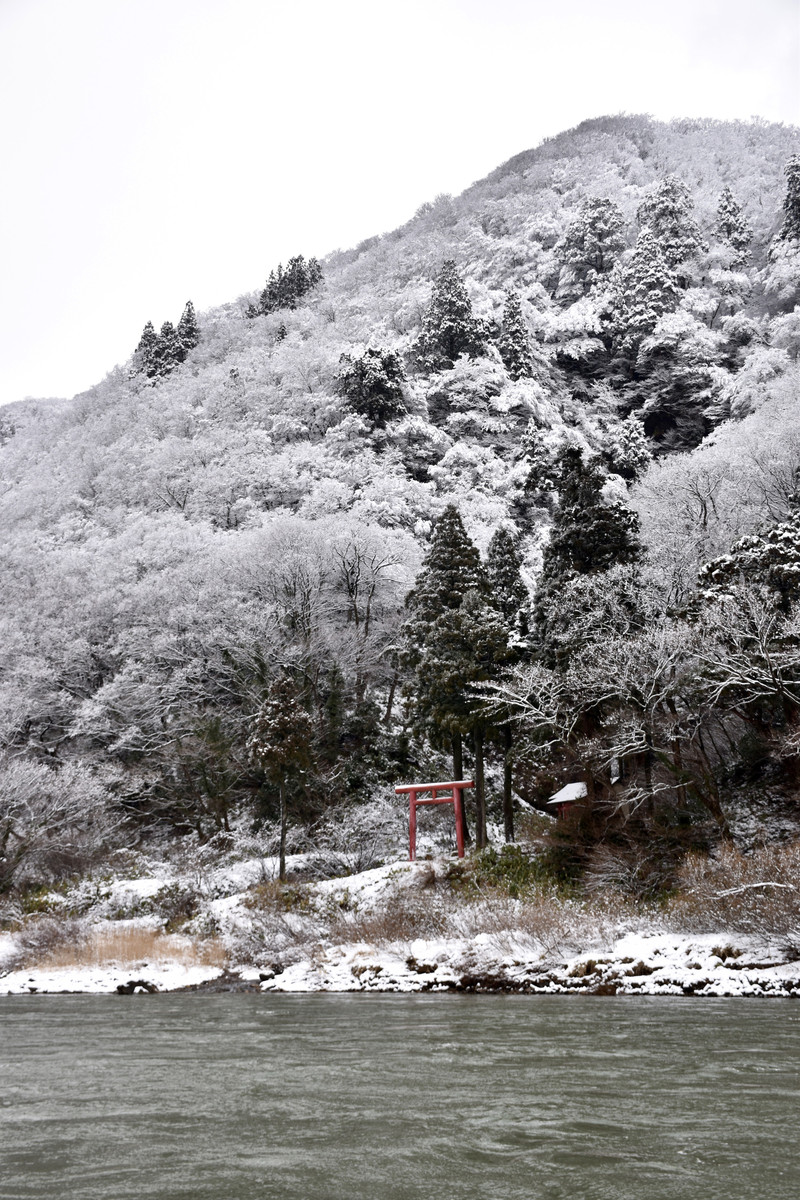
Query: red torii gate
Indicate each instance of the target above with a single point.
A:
(455, 788)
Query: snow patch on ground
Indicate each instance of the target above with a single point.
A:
(166, 977)
(635, 964)
(297, 953)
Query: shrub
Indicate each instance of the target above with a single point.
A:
(757, 893)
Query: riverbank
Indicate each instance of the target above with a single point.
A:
(401, 927)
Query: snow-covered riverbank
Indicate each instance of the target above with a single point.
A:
(385, 929)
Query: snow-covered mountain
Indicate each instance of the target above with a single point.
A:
(260, 496)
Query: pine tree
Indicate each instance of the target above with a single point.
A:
(187, 333)
(451, 568)
(372, 385)
(593, 242)
(513, 341)
(146, 353)
(285, 289)
(733, 228)
(280, 743)
(667, 212)
(167, 350)
(589, 535)
(466, 645)
(791, 205)
(641, 291)
(769, 560)
(507, 590)
(449, 327)
(541, 460)
(296, 281)
(509, 595)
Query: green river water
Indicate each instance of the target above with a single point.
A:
(397, 1097)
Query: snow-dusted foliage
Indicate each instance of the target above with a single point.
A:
(251, 497)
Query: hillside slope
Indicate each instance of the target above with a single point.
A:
(174, 539)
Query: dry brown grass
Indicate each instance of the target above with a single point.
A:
(549, 925)
(757, 893)
(127, 946)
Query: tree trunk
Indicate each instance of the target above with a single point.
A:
(711, 797)
(387, 716)
(508, 803)
(458, 773)
(282, 851)
(480, 790)
(648, 768)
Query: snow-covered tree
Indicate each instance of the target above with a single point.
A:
(641, 291)
(187, 331)
(769, 560)
(626, 449)
(591, 532)
(790, 230)
(451, 568)
(280, 743)
(509, 595)
(167, 351)
(465, 646)
(732, 227)
(145, 354)
(592, 243)
(286, 288)
(507, 590)
(513, 341)
(668, 213)
(449, 326)
(53, 821)
(372, 385)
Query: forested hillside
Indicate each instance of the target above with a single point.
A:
(510, 490)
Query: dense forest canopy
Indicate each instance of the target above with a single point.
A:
(578, 380)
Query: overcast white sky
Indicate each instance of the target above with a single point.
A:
(160, 150)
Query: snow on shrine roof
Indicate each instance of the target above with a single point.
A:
(570, 791)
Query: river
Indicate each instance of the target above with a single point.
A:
(397, 1097)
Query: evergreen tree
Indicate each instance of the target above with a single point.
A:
(510, 597)
(507, 590)
(146, 353)
(513, 341)
(451, 568)
(593, 242)
(285, 289)
(627, 450)
(769, 560)
(791, 205)
(589, 535)
(449, 327)
(465, 646)
(187, 333)
(280, 743)
(732, 227)
(667, 212)
(541, 460)
(641, 291)
(372, 385)
(167, 350)
(271, 295)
